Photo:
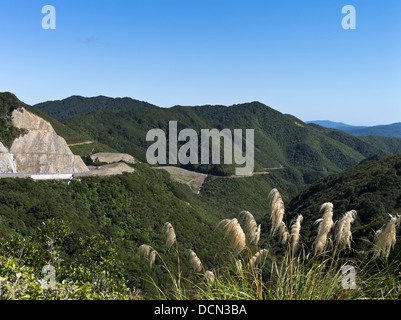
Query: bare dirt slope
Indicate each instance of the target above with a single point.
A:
(109, 157)
(107, 170)
(193, 179)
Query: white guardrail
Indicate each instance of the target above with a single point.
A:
(39, 176)
(49, 176)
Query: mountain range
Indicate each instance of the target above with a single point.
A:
(389, 130)
(305, 151)
(308, 163)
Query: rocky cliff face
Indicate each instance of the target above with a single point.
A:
(7, 163)
(39, 149)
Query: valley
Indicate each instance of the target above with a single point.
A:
(122, 201)
(168, 156)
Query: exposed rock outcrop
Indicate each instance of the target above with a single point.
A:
(7, 163)
(112, 157)
(39, 149)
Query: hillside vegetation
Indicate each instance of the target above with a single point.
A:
(391, 130)
(125, 211)
(372, 188)
(380, 145)
(98, 233)
(142, 235)
(388, 130)
(75, 105)
(306, 151)
(8, 103)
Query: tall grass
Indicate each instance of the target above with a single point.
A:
(235, 234)
(343, 234)
(385, 237)
(324, 226)
(295, 234)
(251, 272)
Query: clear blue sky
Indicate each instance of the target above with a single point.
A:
(291, 55)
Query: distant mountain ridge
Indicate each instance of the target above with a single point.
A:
(306, 152)
(389, 130)
(334, 125)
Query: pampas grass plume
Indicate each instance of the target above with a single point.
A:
(234, 233)
(195, 261)
(283, 233)
(169, 234)
(343, 234)
(258, 257)
(209, 276)
(152, 258)
(295, 233)
(385, 237)
(252, 229)
(325, 223)
(277, 210)
(145, 251)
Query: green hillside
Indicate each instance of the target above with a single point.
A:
(388, 144)
(75, 105)
(391, 130)
(8, 103)
(231, 195)
(306, 151)
(127, 211)
(372, 188)
(380, 145)
(284, 139)
(91, 228)
(125, 131)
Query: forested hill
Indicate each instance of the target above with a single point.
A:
(122, 212)
(293, 151)
(127, 210)
(372, 188)
(75, 105)
(280, 140)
